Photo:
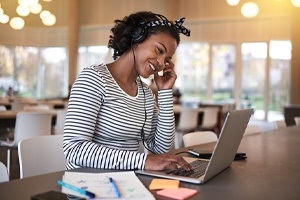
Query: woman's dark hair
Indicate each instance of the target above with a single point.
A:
(122, 33)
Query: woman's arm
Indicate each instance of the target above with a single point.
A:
(85, 102)
(163, 126)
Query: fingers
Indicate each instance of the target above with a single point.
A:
(163, 161)
(172, 166)
(180, 161)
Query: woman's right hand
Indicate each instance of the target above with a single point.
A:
(164, 161)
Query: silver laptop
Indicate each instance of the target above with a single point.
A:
(222, 156)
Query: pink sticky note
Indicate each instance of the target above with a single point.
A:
(180, 193)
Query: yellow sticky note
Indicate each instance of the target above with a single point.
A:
(180, 193)
(163, 184)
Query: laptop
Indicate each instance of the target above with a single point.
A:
(222, 156)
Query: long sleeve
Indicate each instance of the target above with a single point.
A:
(81, 143)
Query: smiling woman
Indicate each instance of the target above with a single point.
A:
(114, 111)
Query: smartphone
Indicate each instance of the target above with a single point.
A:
(54, 195)
(207, 155)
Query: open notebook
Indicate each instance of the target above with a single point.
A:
(222, 156)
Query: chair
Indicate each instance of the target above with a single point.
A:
(60, 122)
(28, 124)
(18, 105)
(3, 173)
(279, 124)
(41, 155)
(2, 108)
(36, 108)
(210, 119)
(188, 121)
(198, 137)
(252, 129)
(297, 120)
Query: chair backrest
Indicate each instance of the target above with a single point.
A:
(188, 119)
(3, 173)
(279, 124)
(210, 117)
(17, 105)
(252, 129)
(199, 137)
(297, 120)
(3, 108)
(30, 124)
(60, 121)
(41, 155)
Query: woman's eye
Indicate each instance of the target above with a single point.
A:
(160, 51)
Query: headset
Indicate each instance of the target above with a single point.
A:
(140, 33)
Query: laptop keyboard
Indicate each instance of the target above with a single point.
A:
(199, 169)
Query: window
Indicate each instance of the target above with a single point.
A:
(254, 75)
(192, 64)
(223, 72)
(280, 58)
(34, 72)
(262, 85)
(93, 55)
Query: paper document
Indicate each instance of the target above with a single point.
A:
(127, 183)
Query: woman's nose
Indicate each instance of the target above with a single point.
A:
(161, 63)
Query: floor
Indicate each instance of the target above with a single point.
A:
(14, 169)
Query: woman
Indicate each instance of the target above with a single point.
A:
(111, 110)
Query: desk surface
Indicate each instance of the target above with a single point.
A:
(271, 171)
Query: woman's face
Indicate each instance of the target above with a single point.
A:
(153, 54)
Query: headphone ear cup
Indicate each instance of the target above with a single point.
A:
(139, 34)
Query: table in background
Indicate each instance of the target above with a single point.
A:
(270, 172)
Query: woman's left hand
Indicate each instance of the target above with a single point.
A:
(168, 79)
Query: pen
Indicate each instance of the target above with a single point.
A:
(115, 188)
(76, 189)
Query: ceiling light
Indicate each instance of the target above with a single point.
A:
(233, 2)
(23, 10)
(296, 3)
(249, 9)
(4, 19)
(17, 23)
(44, 14)
(50, 20)
(36, 8)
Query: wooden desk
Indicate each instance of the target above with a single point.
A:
(270, 172)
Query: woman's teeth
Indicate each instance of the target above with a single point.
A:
(152, 67)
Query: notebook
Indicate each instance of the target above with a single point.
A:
(223, 154)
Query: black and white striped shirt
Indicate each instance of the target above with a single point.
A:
(103, 124)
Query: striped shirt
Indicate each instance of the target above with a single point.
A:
(103, 124)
